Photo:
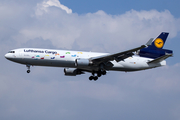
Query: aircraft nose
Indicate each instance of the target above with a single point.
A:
(7, 56)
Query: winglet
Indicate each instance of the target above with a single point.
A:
(146, 45)
(150, 41)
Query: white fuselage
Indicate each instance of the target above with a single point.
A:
(66, 58)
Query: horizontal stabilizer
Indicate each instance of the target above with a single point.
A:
(159, 59)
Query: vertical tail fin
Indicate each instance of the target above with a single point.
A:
(155, 49)
(159, 41)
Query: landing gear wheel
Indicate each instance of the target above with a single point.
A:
(91, 77)
(28, 67)
(103, 72)
(95, 78)
(99, 74)
(28, 71)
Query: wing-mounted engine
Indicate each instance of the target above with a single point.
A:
(72, 72)
(81, 62)
(108, 65)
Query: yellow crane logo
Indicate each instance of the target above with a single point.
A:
(159, 43)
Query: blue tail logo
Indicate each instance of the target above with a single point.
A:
(156, 50)
(159, 43)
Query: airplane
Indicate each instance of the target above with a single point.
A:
(146, 56)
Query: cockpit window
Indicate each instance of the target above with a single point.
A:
(11, 52)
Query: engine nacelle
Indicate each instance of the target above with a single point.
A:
(82, 62)
(72, 72)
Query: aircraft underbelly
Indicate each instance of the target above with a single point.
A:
(45, 62)
(130, 65)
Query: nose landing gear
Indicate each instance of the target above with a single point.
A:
(28, 71)
(28, 67)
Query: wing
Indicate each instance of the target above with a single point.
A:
(117, 56)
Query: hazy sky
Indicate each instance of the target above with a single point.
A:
(88, 25)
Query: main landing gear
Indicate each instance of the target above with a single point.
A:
(28, 67)
(93, 78)
(99, 74)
